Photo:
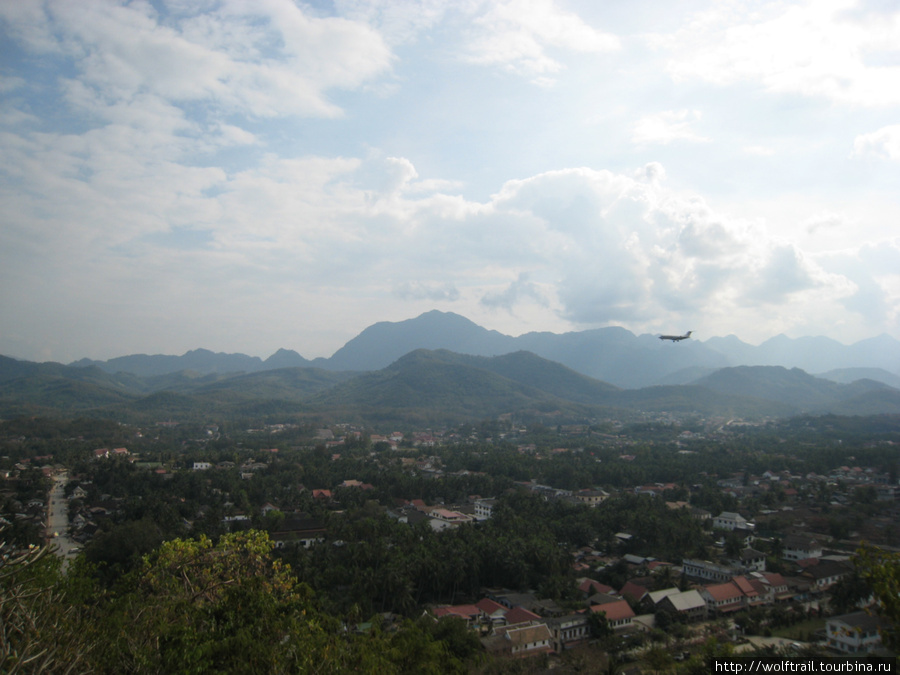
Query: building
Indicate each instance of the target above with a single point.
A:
(728, 520)
(795, 547)
(471, 614)
(484, 508)
(752, 560)
(298, 529)
(619, 615)
(444, 518)
(706, 570)
(568, 631)
(854, 633)
(528, 640)
(689, 605)
(723, 598)
(825, 574)
(493, 611)
(591, 497)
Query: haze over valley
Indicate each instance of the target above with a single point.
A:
(422, 336)
(447, 367)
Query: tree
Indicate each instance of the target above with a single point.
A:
(881, 570)
(598, 626)
(848, 592)
(658, 659)
(38, 627)
(199, 607)
(229, 607)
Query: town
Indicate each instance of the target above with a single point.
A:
(652, 544)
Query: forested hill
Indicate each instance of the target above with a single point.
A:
(611, 354)
(426, 387)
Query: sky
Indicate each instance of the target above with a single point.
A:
(249, 175)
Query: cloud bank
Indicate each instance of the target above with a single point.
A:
(247, 176)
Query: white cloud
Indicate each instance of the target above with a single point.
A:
(521, 35)
(821, 48)
(265, 58)
(398, 22)
(666, 127)
(434, 292)
(592, 247)
(192, 169)
(824, 220)
(872, 270)
(884, 143)
(522, 289)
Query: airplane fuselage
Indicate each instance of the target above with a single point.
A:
(676, 338)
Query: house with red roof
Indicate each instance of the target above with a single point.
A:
(591, 586)
(520, 615)
(493, 611)
(468, 613)
(634, 591)
(619, 615)
(442, 518)
(723, 598)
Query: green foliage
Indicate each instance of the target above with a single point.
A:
(881, 570)
(38, 626)
(848, 592)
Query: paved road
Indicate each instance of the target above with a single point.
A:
(58, 520)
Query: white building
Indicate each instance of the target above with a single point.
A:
(853, 633)
(728, 520)
(441, 519)
(484, 508)
(800, 548)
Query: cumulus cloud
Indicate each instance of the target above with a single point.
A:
(635, 252)
(835, 49)
(593, 247)
(872, 269)
(520, 35)
(190, 184)
(267, 59)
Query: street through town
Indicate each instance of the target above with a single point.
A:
(58, 521)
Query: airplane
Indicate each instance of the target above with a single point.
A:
(676, 338)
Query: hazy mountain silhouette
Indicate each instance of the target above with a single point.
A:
(383, 343)
(431, 385)
(799, 389)
(848, 375)
(612, 355)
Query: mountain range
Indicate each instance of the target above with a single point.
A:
(613, 355)
(442, 368)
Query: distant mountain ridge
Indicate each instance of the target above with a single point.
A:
(612, 355)
(430, 386)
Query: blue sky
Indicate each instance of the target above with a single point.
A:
(244, 176)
